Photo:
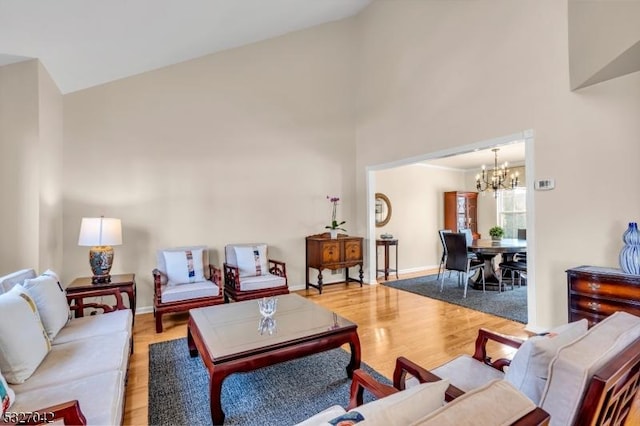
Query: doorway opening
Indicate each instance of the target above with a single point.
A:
(525, 137)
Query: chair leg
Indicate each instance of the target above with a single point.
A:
(466, 284)
(442, 281)
(158, 322)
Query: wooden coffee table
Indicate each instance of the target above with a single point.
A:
(229, 339)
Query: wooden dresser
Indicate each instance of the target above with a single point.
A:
(597, 292)
(326, 253)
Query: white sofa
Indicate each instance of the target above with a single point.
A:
(86, 360)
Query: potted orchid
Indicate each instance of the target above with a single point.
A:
(335, 225)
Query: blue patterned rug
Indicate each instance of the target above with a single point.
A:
(510, 304)
(281, 394)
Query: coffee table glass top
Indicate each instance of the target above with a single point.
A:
(235, 330)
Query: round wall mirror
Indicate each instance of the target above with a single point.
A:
(383, 209)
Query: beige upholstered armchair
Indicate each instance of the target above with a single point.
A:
(250, 274)
(183, 280)
(578, 376)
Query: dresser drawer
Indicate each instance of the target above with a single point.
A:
(591, 286)
(352, 250)
(602, 306)
(330, 252)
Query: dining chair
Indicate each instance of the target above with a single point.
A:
(441, 232)
(457, 259)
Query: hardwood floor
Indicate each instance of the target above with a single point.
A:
(390, 322)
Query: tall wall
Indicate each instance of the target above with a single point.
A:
(30, 168)
(240, 146)
(436, 75)
(417, 201)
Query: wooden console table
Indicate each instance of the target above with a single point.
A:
(326, 253)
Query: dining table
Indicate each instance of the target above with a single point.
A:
(487, 250)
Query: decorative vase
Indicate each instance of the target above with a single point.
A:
(334, 233)
(630, 253)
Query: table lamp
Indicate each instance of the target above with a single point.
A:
(100, 233)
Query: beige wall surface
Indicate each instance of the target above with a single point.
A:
(435, 75)
(241, 146)
(19, 166)
(50, 172)
(416, 195)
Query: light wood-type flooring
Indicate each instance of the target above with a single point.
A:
(391, 323)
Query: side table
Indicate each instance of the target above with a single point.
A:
(82, 288)
(386, 243)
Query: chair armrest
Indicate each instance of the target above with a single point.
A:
(483, 338)
(277, 267)
(69, 412)
(362, 380)
(215, 276)
(231, 275)
(404, 366)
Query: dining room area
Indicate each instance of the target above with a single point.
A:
(481, 193)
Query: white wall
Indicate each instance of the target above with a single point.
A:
(417, 200)
(241, 146)
(30, 159)
(435, 75)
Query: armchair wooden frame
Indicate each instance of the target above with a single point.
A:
(69, 412)
(160, 308)
(232, 283)
(607, 400)
(362, 380)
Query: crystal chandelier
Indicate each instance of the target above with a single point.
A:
(496, 178)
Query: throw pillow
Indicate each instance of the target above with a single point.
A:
(252, 260)
(7, 396)
(184, 266)
(404, 407)
(51, 301)
(23, 340)
(528, 371)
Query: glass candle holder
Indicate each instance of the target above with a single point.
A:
(267, 306)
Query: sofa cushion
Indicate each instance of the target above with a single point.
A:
(51, 300)
(466, 373)
(402, 408)
(176, 292)
(575, 364)
(496, 403)
(530, 365)
(18, 277)
(7, 396)
(23, 340)
(80, 358)
(95, 325)
(184, 266)
(261, 282)
(100, 397)
(251, 260)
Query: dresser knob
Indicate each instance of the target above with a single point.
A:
(594, 286)
(593, 305)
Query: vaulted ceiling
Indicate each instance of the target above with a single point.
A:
(83, 43)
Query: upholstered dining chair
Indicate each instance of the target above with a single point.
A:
(457, 259)
(183, 280)
(441, 232)
(250, 274)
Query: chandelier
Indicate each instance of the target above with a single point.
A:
(496, 178)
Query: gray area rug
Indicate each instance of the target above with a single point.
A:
(281, 394)
(510, 304)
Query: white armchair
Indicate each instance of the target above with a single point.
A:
(250, 274)
(183, 280)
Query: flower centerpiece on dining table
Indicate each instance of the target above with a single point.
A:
(335, 225)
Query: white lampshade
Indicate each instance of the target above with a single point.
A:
(100, 231)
